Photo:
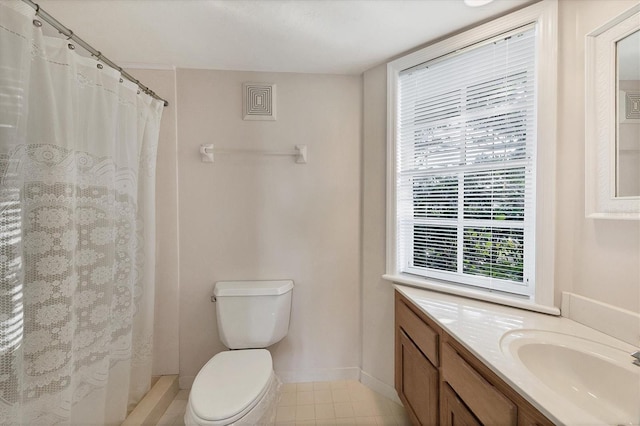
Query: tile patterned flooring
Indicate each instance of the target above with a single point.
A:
(174, 415)
(346, 402)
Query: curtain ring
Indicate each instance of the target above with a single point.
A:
(138, 91)
(37, 23)
(71, 46)
(70, 34)
(100, 66)
(121, 80)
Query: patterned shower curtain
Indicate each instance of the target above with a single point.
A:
(77, 174)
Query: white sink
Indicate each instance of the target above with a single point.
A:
(596, 378)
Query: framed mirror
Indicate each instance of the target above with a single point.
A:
(612, 120)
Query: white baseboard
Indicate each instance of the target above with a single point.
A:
(379, 386)
(617, 322)
(319, 375)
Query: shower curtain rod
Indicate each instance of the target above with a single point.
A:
(86, 46)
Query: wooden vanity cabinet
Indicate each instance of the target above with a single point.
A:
(454, 412)
(419, 381)
(417, 378)
(488, 404)
(441, 383)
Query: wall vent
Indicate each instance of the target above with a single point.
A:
(632, 106)
(259, 101)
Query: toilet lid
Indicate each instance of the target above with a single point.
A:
(230, 382)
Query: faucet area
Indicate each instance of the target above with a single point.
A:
(320, 212)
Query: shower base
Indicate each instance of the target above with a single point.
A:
(155, 402)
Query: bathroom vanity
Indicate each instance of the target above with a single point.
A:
(439, 381)
(455, 364)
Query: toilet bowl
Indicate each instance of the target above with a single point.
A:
(233, 387)
(239, 386)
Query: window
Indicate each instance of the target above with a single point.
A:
(469, 148)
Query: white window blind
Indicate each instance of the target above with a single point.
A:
(466, 142)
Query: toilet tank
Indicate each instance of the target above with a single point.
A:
(252, 314)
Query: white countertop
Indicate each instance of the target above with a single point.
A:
(480, 326)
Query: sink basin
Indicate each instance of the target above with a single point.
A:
(598, 379)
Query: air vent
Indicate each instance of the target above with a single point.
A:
(632, 106)
(259, 101)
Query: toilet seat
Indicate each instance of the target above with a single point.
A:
(229, 386)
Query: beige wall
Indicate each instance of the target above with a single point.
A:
(599, 259)
(258, 218)
(250, 217)
(377, 294)
(165, 337)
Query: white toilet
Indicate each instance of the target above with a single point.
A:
(239, 386)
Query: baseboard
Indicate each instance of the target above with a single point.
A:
(319, 375)
(154, 380)
(617, 322)
(155, 402)
(379, 386)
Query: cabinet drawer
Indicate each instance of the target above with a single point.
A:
(425, 338)
(488, 404)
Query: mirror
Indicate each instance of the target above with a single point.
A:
(628, 132)
(612, 119)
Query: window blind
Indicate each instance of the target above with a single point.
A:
(465, 166)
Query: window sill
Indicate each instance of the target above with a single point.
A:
(471, 293)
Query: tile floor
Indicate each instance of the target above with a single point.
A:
(345, 402)
(174, 415)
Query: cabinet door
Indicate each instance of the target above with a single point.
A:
(532, 418)
(454, 412)
(418, 384)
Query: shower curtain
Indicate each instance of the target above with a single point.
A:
(77, 173)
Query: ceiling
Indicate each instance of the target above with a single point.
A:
(308, 36)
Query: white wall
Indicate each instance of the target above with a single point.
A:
(377, 294)
(245, 218)
(599, 259)
(250, 217)
(595, 258)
